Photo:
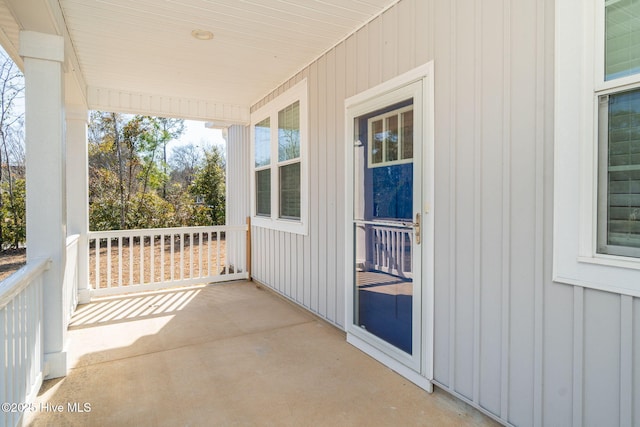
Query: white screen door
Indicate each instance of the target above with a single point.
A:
(386, 294)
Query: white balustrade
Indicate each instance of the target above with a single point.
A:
(134, 260)
(21, 333)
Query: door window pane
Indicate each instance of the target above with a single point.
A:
(391, 138)
(622, 38)
(377, 143)
(407, 135)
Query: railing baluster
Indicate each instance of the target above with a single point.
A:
(218, 253)
(141, 261)
(190, 255)
(209, 236)
(108, 262)
(97, 249)
(130, 260)
(119, 261)
(162, 257)
(152, 267)
(173, 260)
(182, 255)
(200, 254)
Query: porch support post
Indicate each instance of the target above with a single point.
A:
(78, 191)
(46, 190)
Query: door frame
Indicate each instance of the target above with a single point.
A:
(420, 373)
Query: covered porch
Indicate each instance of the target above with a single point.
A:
(227, 354)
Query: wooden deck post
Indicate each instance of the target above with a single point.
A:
(249, 247)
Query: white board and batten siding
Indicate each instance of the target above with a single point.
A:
(508, 339)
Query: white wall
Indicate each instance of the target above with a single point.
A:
(508, 339)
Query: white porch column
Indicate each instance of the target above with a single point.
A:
(46, 191)
(78, 191)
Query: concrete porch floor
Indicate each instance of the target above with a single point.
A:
(227, 354)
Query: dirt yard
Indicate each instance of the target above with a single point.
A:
(11, 261)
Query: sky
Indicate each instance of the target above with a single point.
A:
(197, 134)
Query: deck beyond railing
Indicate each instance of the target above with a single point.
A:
(21, 335)
(135, 260)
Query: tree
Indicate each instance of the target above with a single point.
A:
(209, 185)
(12, 159)
(185, 161)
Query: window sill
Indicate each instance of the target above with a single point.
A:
(285, 225)
(612, 261)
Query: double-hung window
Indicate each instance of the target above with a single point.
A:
(618, 137)
(279, 158)
(597, 145)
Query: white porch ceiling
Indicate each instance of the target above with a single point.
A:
(145, 47)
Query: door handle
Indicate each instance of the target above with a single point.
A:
(416, 228)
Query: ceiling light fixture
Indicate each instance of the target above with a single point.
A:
(202, 34)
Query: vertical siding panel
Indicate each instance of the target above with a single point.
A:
(444, 205)
(478, 144)
(558, 353)
(406, 27)
(283, 261)
(273, 264)
(321, 160)
(578, 355)
(374, 46)
(332, 193)
(390, 49)
(558, 302)
(506, 214)
(626, 361)
(540, 211)
(300, 267)
(314, 191)
(601, 385)
(424, 30)
(464, 193)
(491, 205)
(340, 94)
(362, 60)
(523, 212)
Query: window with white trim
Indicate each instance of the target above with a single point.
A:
(279, 158)
(596, 226)
(618, 136)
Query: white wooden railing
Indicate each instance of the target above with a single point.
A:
(70, 285)
(392, 250)
(21, 334)
(135, 260)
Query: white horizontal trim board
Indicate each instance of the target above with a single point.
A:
(105, 99)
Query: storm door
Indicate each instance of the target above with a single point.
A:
(386, 223)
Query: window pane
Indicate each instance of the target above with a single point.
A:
(407, 135)
(621, 155)
(290, 191)
(289, 132)
(262, 143)
(376, 144)
(263, 192)
(622, 38)
(392, 138)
